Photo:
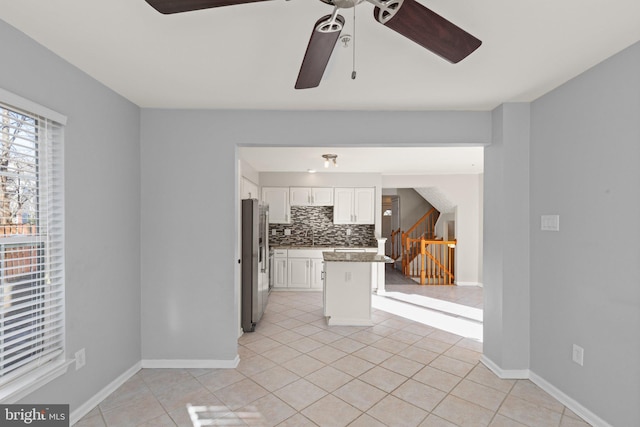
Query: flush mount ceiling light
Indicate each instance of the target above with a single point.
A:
(330, 157)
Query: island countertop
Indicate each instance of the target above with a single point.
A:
(355, 257)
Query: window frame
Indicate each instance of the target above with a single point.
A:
(38, 375)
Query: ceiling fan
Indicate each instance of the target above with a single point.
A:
(407, 17)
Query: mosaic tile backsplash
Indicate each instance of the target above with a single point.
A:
(313, 225)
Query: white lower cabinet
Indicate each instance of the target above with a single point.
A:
(300, 269)
(317, 272)
(305, 268)
(279, 269)
(299, 272)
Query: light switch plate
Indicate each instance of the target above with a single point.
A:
(578, 355)
(287, 232)
(550, 222)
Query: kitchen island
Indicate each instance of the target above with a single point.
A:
(347, 286)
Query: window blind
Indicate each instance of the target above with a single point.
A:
(31, 243)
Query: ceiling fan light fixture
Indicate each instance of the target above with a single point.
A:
(330, 158)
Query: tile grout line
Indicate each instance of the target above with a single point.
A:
(389, 328)
(400, 385)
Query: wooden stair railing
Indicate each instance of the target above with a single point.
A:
(396, 244)
(424, 228)
(433, 261)
(423, 255)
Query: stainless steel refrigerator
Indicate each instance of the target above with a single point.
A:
(255, 262)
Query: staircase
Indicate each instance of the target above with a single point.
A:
(422, 255)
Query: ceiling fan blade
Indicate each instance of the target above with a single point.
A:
(428, 29)
(323, 39)
(176, 6)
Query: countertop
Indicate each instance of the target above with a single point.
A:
(355, 257)
(320, 247)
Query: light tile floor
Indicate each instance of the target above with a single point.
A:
(296, 371)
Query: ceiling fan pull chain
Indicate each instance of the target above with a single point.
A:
(353, 73)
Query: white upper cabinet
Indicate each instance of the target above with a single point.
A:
(311, 196)
(364, 205)
(300, 196)
(354, 206)
(343, 206)
(278, 200)
(322, 196)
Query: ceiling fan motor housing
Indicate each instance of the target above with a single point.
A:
(343, 4)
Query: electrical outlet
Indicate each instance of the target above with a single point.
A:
(578, 354)
(348, 232)
(273, 232)
(550, 222)
(287, 232)
(80, 359)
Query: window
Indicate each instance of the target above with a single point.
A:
(31, 249)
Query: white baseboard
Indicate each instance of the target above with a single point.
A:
(569, 402)
(561, 397)
(506, 374)
(469, 284)
(86, 407)
(190, 363)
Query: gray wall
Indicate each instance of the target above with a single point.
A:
(189, 245)
(506, 240)
(583, 152)
(102, 207)
(585, 279)
(412, 207)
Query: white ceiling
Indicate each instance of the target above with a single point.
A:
(387, 161)
(248, 56)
